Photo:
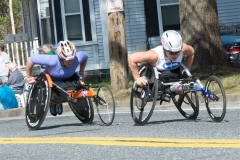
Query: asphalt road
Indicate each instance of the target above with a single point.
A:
(167, 136)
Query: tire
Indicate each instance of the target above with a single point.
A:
(38, 103)
(187, 104)
(83, 110)
(216, 105)
(143, 99)
(105, 103)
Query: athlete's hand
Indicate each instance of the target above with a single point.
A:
(31, 80)
(142, 81)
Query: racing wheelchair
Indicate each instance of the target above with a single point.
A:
(79, 96)
(162, 87)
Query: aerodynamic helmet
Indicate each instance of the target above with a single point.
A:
(171, 41)
(66, 50)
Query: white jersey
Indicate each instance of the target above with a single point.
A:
(163, 63)
(4, 59)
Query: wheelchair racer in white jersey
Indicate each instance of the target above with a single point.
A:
(167, 56)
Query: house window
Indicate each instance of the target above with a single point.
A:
(170, 17)
(161, 12)
(65, 19)
(45, 21)
(152, 25)
(78, 25)
(73, 20)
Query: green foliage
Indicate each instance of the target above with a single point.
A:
(107, 81)
(5, 25)
(17, 16)
(4, 8)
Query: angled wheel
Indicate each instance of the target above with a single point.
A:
(187, 104)
(216, 102)
(105, 103)
(143, 99)
(38, 102)
(83, 110)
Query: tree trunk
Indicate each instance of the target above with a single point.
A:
(117, 50)
(200, 29)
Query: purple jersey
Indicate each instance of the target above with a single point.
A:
(54, 67)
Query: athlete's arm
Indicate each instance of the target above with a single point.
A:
(139, 57)
(188, 53)
(29, 67)
(82, 68)
(82, 58)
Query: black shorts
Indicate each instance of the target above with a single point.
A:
(59, 96)
(170, 75)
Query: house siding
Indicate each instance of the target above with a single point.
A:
(99, 31)
(135, 24)
(228, 11)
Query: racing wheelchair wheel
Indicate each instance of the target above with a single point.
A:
(187, 104)
(143, 99)
(216, 104)
(105, 103)
(38, 102)
(83, 110)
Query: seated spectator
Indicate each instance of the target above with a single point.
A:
(47, 49)
(7, 97)
(15, 77)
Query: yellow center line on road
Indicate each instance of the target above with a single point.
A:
(124, 141)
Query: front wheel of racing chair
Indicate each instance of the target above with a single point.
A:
(216, 102)
(143, 99)
(105, 104)
(38, 102)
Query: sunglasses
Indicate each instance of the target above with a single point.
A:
(172, 53)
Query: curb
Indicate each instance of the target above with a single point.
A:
(119, 104)
(16, 112)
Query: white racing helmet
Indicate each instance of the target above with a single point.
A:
(66, 50)
(171, 41)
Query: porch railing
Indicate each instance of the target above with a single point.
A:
(19, 47)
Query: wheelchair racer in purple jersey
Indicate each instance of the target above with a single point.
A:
(61, 67)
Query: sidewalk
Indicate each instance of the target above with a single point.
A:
(119, 104)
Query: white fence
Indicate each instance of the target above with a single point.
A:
(19, 48)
